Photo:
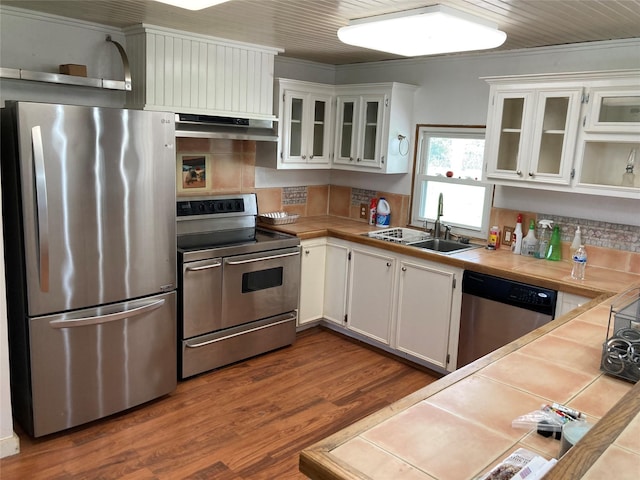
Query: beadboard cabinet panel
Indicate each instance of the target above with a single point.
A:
(198, 74)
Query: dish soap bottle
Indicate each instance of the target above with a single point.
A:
(579, 263)
(530, 242)
(516, 243)
(554, 252)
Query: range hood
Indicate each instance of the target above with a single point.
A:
(232, 128)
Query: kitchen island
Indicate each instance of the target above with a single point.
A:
(460, 426)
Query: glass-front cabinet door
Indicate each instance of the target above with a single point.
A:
(346, 129)
(555, 128)
(614, 110)
(294, 106)
(506, 135)
(532, 135)
(319, 145)
(371, 123)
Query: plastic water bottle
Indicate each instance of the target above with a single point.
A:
(579, 263)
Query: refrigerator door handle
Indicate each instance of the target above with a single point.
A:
(42, 207)
(111, 317)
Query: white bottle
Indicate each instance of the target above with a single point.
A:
(579, 263)
(577, 240)
(516, 242)
(383, 213)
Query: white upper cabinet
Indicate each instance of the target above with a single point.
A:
(531, 134)
(373, 127)
(370, 130)
(188, 73)
(305, 128)
(576, 132)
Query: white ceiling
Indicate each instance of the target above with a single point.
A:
(306, 29)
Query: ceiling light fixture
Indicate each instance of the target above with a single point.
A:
(423, 31)
(193, 4)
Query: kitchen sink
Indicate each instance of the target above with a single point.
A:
(419, 239)
(443, 246)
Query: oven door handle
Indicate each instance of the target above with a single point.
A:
(204, 267)
(227, 337)
(260, 259)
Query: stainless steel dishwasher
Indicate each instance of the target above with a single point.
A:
(496, 311)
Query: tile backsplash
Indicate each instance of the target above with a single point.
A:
(594, 233)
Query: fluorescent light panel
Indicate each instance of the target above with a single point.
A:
(423, 31)
(193, 4)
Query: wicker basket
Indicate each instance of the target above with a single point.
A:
(277, 218)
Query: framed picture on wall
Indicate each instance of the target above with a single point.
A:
(193, 173)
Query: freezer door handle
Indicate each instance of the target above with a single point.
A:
(42, 207)
(111, 317)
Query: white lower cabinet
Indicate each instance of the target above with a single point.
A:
(402, 304)
(335, 281)
(425, 306)
(568, 301)
(312, 275)
(371, 293)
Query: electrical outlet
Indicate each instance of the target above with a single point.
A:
(363, 210)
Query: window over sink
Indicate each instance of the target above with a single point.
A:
(449, 161)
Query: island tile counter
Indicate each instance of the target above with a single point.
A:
(460, 426)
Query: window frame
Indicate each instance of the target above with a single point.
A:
(423, 132)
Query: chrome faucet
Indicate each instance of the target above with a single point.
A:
(437, 225)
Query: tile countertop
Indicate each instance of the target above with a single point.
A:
(543, 273)
(460, 426)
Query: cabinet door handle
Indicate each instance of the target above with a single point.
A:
(351, 159)
(306, 252)
(388, 264)
(519, 172)
(531, 174)
(404, 269)
(304, 157)
(358, 159)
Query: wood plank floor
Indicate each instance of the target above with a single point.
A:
(246, 421)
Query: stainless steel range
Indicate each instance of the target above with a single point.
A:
(238, 284)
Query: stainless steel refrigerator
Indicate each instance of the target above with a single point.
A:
(90, 259)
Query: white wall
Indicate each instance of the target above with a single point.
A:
(31, 42)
